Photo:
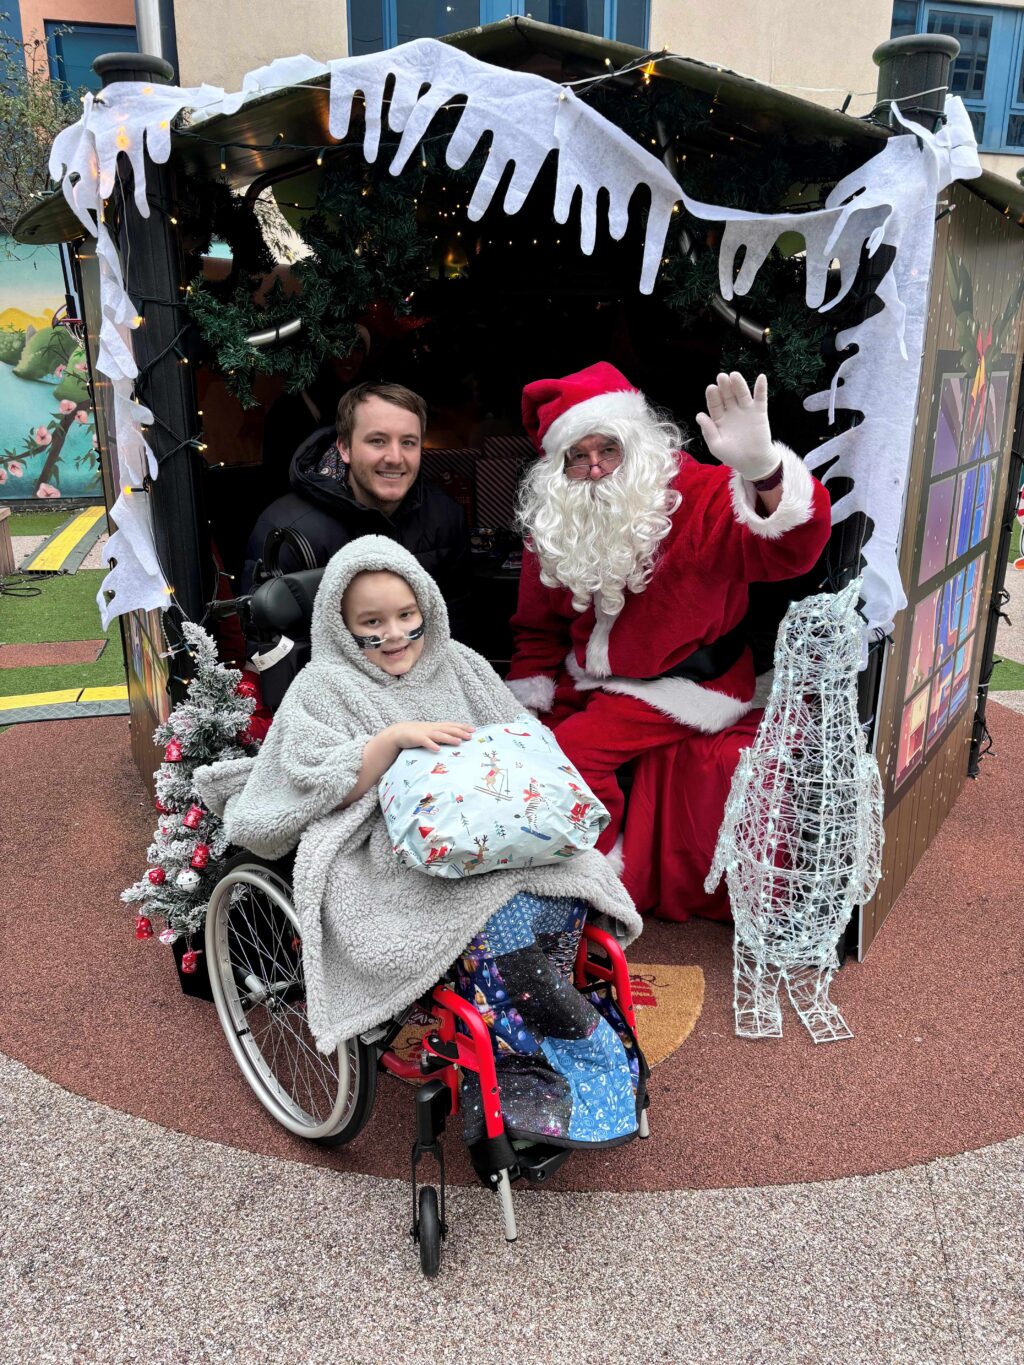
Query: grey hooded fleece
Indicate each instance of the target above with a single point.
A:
(375, 935)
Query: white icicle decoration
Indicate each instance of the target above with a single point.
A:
(801, 841)
(528, 117)
(889, 201)
(131, 119)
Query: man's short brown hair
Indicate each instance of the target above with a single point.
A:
(397, 394)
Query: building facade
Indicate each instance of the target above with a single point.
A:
(822, 53)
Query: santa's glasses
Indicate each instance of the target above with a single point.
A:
(378, 641)
(579, 466)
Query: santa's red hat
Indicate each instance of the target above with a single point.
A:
(557, 412)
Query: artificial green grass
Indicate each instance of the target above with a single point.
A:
(64, 610)
(1007, 676)
(107, 671)
(37, 523)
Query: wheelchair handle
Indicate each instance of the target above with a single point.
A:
(284, 605)
(278, 606)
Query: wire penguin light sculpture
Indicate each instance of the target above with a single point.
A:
(800, 845)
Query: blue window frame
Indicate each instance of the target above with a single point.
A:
(988, 74)
(377, 24)
(72, 50)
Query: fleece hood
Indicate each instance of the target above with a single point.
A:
(332, 643)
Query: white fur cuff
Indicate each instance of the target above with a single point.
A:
(615, 857)
(537, 692)
(794, 508)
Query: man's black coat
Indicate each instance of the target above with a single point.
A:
(428, 523)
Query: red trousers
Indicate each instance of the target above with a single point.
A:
(680, 784)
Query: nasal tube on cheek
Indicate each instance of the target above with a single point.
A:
(375, 641)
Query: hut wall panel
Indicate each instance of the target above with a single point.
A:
(965, 424)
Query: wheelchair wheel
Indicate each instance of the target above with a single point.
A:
(254, 955)
(428, 1232)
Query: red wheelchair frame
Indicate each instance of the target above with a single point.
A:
(474, 1053)
(448, 1050)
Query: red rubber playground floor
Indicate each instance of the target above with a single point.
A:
(935, 1067)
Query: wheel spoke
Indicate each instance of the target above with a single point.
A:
(253, 931)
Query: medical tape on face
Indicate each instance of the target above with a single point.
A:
(376, 641)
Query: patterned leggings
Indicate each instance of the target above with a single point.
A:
(567, 1066)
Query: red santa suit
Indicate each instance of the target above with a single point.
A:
(607, 684)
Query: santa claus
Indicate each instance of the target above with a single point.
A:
(629, 626)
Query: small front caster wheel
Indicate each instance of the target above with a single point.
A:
(428, 1232)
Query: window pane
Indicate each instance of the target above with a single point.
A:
(1015, 131)
(904, 18)
(72, 53)
(977, 117)
(586, 16)
(631, 22)
(366, 26)
(972, 32)
(435, 18)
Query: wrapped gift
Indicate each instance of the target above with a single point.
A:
(506, 797)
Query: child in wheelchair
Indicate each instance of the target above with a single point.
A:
(385, 676)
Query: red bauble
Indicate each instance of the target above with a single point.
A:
(193, 817)
(173, 751)
(157, 876)
(161, 808)
(190, 961)
(200, 855)
(143, 927)
(246, 688)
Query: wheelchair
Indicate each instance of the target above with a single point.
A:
(253, 952)
(254, 958)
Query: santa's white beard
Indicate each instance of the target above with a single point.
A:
(601, 536)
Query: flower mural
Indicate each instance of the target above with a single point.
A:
(47, 432)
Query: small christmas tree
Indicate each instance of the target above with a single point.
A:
(188, 847)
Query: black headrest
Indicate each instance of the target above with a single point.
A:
(284, 605)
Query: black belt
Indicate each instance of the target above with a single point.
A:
(710, 661)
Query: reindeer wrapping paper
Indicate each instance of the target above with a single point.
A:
(376, 935)
(508, 797)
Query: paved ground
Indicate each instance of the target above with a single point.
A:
(24, 546)
(124, 1241)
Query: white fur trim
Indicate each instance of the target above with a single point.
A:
(597, 645)
(537, 692)
(797, 496)
(615, 858)
(680, 698)
(585, 419)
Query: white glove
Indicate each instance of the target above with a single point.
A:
(737, 431)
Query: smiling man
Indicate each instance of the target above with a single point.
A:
(358, 478)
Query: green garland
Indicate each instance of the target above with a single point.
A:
(365, 246)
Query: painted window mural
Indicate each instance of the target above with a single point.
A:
(969, 431)
(47, 433)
